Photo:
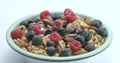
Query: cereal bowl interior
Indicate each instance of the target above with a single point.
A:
(68, 56)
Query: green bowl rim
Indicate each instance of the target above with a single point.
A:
(55, 59)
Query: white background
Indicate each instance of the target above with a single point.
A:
(105, 10)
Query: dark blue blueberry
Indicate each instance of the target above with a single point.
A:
(36, 20)
(25, 23)
(102, 31)
(48, 31)
(36, 40)
(55, 16)
(29, 35)
(80, 38)
(61, 31)
(96, 23)
(51, 43)
(87, 35)
(65, 52)
(89, 47)
(50, 50)
(29, 28)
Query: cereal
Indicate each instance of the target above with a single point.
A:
(70, 29)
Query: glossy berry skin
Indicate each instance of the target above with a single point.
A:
(36, 40)
(44, 14)
(61, 31)
(48, 31)
(55, 37)
(50, 50)
(30, 34)
(96, 23)
(57, 24)
(87, 35)
(67, 11)
(51, 43)
(80, 38)
(37, 29)
(25, 23)
(29, 28)
(16, 33)
(65, 52)
(55, 16)
(75, 46)
(89, 47)
(70, 17)
(102, 31)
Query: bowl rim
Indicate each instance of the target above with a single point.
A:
(56, 59)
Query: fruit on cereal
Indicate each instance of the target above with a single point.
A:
(65, 52)
(29, 28)
(75, 46)
(67, 11)
(36, 20)
(25, 23)
(44, 14)
(96, 23)
(87, 35)
(55, 16)
(89, 47)
(70, 17)
(30, 34)
(36, 40)
(48, 31)
(55, 37)
(16, 33)
(50, 50)
(37, 29)
(51, 43)
(61, 31)
(80, 38)
(57, 24)
(102, 31)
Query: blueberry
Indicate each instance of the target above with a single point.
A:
(29, 35)
(87, 35)
(36, 40)
(61, 31)
(96, 23)
(48, 31)
(102, 31)
(89, 47)
(79, 32)
(25, 23)
(55, 16)
(80, 38)
(50, 50)
(36, 20)
(42, 25)
(29, 28)
(51, 43)
(65, 52)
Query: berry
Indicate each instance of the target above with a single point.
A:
(25, 23)
(87, 35)
(48, 31)
(96, 23)
(36, 40)
(55, 16)
(75, 46)
(70, 17)
(102, 31)
(89, 47)
(61, 31)
(67, 11)
(16, 33)
(29, 35)
(36, 20)
(57, 24)
(50, 50)
(37, 29)
(44, 14)
(29, 28)
(80, 38)
(65, 52)
(51, 43)
(55, 37)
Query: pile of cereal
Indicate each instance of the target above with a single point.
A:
(59, 34)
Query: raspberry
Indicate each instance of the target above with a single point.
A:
(16, 33)
(71, 17)
(37, 29)
(75, 46)
(67, 11)
(44, 14)
(57, 24)
(55, 37)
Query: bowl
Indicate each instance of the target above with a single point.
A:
(37, 58)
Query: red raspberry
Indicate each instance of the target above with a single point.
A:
(44, 14)
(71, 17)
(37, 29)
(16, 33)
(57, 24)
(55, 37)
(67, 11)
(75, 46)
